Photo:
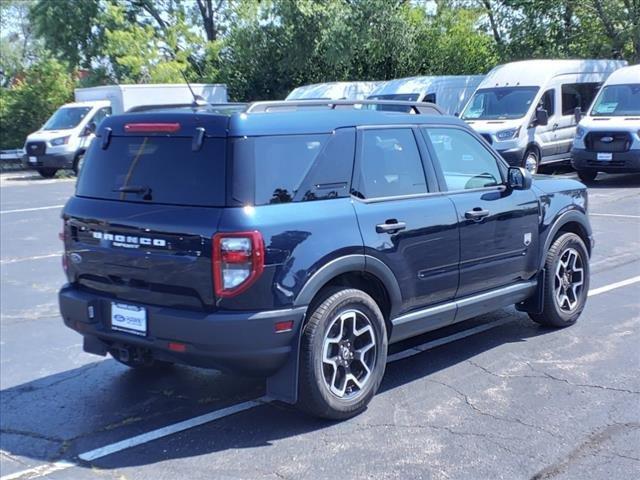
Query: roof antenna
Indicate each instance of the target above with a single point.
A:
(198, 101)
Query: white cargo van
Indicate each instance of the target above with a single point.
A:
(608, 137)
(450, 92)
(527, 109)
(63, 139)
(333, 91)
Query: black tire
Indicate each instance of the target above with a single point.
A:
(531, 153)
(47, 172)
(553, 314)
(587, 176)
(77, 163)
(316, 395)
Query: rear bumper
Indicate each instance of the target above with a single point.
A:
(243, 342)
(621, 162)
(513, 156)
(62, 160)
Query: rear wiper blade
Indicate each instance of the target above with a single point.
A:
(132, 189)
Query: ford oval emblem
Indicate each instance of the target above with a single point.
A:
(606, 139)
(75, 258)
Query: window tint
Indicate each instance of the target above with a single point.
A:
(101, 115)
(155, 170)
(292, 168)
(464, 161)
(430, 98)
(578, 95)
(390, 164)
(547, 102)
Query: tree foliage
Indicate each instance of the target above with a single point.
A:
(33, 98)
(264, 48)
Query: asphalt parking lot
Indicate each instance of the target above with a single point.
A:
(512, 400)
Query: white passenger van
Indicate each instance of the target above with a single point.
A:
(527, 109)
(608, 137)
(450, 92)
(333, 91)
(63, 139)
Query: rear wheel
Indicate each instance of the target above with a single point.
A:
(587, 176)
(566, 282)
(531, 160)
(47, 172)
(343, 356)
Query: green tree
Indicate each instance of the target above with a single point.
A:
(19, 47)
(32, 99)
(69, 28)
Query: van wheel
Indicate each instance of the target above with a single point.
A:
(566, 282)
(343, 355)
(531, 160)
(587, 176)
(77, 163)
(47, 172)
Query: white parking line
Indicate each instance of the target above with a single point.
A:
(42, 470)
(24, 259)
(613, 286)
(35, 209)
(613, 215)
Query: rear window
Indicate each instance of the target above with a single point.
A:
(155, 170)
(292, 168)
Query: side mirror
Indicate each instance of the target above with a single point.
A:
(457, 114)
(578, 114)
(89, 129)
(519, 178)
(542, 117)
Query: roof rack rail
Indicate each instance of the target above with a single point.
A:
(268, 106)
(148, 108)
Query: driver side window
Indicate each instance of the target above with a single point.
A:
(547, 102)
(464, 161)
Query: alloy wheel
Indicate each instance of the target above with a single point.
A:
(569, 280)
(349, 354)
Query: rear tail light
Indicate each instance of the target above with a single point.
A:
(238, 261)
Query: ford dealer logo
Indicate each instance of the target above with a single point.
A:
(606, 139)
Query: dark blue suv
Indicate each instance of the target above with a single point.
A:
(296, 241)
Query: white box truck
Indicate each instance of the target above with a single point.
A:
(63, 139)
(527, 110)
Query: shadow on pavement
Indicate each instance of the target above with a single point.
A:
(69, 413)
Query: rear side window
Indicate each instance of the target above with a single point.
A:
(390, 164)
(292, 168)
(465, 162)
(155, 170)
(578, 95)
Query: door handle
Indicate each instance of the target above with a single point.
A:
(476, 214)
(390, 226)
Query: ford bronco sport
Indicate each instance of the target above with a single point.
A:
(297, 240)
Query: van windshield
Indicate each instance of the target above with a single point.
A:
(500, 103)
(617, 101)
(66, 118)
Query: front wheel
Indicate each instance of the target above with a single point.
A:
(566, 282)
(343, 356)
(587, 176)
(531, 160)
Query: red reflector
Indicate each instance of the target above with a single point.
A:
(284, 326)
(236, 257)
(151, 127)
(177, 347)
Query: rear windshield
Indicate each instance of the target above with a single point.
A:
(155, 170)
